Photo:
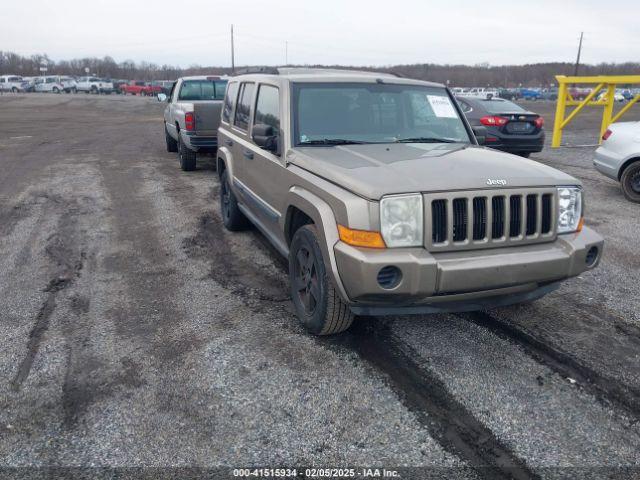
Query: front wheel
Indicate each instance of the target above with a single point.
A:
(630, 182)
(318, 305)
(56, 90)
(14, 90)
(524, 154)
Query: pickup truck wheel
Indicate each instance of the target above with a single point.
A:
(56, 90)
(233, 219)
(524, 154)
(172, 145)
(318, 305)
(630, 182)
(186, 156)
(14, 90)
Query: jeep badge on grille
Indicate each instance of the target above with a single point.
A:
(493, 182)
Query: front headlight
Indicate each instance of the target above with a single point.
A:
(569, 209)
(401, 220)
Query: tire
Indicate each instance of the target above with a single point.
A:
(56, 90)
(94, 91)
(318, 305)
(143, 94)
(74, 90)
(172, 144)
(233, 219)
(14, 90)
(524, 154)
(186, 156)
(630, 182)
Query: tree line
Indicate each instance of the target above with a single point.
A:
(480, 75)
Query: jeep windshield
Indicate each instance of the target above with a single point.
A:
(329, 114)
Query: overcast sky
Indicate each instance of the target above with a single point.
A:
(353, 32)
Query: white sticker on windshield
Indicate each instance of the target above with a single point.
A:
(441, 106)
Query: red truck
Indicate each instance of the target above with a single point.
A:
(140, 88)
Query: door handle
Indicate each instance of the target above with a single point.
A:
(248, 155)
(228, 143)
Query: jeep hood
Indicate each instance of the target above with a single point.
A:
(372, 171)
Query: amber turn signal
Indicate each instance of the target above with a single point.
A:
(361, 238)
(580, 224)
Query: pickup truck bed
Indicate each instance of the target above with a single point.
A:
(192, 117)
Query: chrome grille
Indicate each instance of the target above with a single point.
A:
(485, 219)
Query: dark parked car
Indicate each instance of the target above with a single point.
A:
(509, 93)
(510, 127)
(117, 83)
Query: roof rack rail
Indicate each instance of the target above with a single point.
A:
(249, 70)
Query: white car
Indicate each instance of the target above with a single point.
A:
(617, 96)
(619, 157)
(49, 84)
(11, 83)
(93, 85)
(479, 92)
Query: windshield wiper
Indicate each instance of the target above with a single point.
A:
(425, 140)
(333, 141)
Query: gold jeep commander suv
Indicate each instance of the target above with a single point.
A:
(377, 190)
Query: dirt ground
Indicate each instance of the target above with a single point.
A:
(136, 332)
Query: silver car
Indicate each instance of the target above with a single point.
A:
(619, 157)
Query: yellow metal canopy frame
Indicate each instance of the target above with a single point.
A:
(608, 83)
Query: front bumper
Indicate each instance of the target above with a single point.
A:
(445, 280)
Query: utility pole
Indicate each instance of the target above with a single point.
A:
(575, 70)
(233, 62)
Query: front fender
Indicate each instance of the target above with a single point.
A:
(323, 217)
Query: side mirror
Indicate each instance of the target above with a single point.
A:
(481, 134)
(265, 137)
(162, 97)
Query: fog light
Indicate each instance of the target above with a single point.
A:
(592, 256)
(389, 277)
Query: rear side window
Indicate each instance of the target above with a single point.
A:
(243, 109)
(466, 108)
(268, 107)
(229, 100)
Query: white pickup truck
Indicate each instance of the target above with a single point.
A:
(93, 85)
(12, 83)
(192, 117)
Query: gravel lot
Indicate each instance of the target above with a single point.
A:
(136, 332)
